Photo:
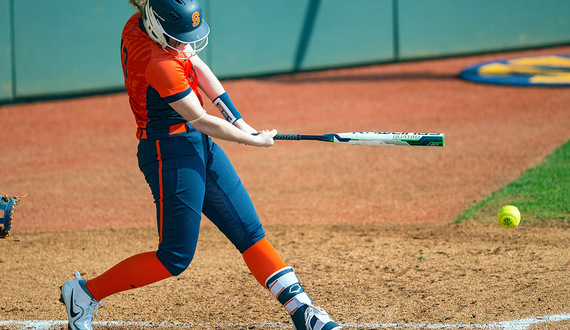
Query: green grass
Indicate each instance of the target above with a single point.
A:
(541, 193)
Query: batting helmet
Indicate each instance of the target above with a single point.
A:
(176, 19)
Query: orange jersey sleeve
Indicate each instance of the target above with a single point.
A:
(168, 75)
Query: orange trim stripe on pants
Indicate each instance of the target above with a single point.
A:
(161, 199)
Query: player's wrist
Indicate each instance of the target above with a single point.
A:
(241, 124)
(227, 108)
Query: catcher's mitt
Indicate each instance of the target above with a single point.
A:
(7, 205)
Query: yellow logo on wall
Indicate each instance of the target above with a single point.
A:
(541, 70)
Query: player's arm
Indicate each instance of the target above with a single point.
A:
(190, 108)
(212, 87)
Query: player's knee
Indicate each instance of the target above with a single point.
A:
(175, 261)
(245, 240)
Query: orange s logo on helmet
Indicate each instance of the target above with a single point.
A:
(195, 19)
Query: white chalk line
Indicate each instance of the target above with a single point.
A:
(521, 324)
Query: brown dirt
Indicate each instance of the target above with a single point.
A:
(368, 229)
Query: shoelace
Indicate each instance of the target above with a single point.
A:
(97, 304)
(90, 309)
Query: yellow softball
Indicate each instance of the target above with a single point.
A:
(509, 216)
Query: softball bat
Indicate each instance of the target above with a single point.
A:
(374, 138)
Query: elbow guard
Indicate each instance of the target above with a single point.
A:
(227, 108)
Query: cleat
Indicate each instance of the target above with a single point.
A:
(314, 318)
(285, 286)
(79, 303)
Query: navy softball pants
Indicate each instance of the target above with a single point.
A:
(189, 175)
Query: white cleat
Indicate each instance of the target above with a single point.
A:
(317, 319)
(79, 304)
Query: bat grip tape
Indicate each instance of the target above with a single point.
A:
(287, 137)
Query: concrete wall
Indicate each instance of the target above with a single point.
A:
(6, 51)
(65, 47)
(432, 28)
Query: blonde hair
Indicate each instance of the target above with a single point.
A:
(138, 4)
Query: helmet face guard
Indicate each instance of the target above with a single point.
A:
(179, 20)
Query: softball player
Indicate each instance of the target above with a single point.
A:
(187, 172)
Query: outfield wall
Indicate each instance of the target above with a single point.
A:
(67, 47)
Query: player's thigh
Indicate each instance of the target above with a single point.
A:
(227, 203)
(175, 168)
(177, 182)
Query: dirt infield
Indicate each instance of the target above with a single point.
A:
(368, 229)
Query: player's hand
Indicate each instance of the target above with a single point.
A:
(265, 138)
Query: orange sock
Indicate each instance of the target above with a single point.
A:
(262, 260)
(134, 272)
